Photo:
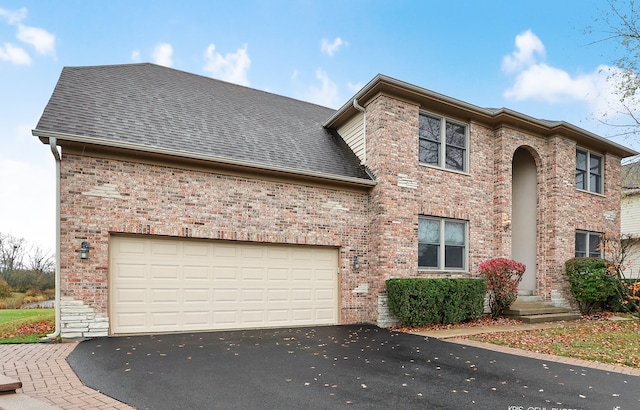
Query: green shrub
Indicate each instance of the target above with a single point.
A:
(590, 283)
(422, 301)
(5, 289)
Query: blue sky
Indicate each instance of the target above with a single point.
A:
(532, 57)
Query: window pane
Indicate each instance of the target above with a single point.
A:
(454, 257)
(581, 244)
(428, 231)
(595, 164)
(581, 179)
(428, 255)
(429, 152)
(595, 173)
(594, 245)
(430, 128)
(581, 160)
(456, 135)
(594, 183)
(455, 158)
(453, 233)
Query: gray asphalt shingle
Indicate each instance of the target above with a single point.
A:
(154, 106)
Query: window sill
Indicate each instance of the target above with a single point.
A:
(444, 169)
(589, 192)
(442, 272)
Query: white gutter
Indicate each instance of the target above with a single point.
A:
(364, 127)
(58, 157)
(211, 158)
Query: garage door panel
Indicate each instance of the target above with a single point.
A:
(130, 271)
(196, 272)
(164, 248)
(131, 295)
(253, 273)
(198, 295)
(167, 285)
(229, 273)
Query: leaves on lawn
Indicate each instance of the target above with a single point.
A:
(43, 327)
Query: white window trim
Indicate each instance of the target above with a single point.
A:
(441, 256)
(588, 176)
(588, 233)
(443, 143)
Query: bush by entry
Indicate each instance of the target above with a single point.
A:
(423, 301)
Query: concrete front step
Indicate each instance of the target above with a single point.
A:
(533, 310)
(550, 317)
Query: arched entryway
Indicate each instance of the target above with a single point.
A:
(524, 210)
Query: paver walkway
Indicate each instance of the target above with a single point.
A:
(46, 376)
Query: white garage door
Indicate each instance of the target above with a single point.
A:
(172, 285)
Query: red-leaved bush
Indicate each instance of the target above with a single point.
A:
(502, 276)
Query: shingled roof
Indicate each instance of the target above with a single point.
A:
(154, 107)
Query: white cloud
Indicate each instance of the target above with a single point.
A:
(14, 54)
(162, 54)
(14, 17)
(232, 67)
(550, 84)
(326, 94)
(135, 55)
(331, 48)
(528, 49)
(43, 41)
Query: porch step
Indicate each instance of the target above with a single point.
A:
(9, 385)
(531, 309)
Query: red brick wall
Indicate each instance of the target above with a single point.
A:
(157, 200)
(482, 196)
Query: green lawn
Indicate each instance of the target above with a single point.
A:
(603, 341)
(25, 325)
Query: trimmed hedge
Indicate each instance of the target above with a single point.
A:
(590, 282)
(422, 301)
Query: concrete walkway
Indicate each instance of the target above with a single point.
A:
(47, 377)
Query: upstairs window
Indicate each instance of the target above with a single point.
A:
(442, 244)
(588, 171)
(588, 244)
(443, 142)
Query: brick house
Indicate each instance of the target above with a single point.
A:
(204, 205)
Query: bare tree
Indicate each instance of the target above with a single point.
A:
(40, 260)
(12, 253)
(620, 25)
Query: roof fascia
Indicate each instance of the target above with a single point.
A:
(45, 135)
(431, 100)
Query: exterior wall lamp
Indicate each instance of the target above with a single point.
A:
(84, 250)
(356, 263)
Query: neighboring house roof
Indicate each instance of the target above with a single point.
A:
(631, 177)
(431, 100)
(147, 107)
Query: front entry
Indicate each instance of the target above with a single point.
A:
(524, 217)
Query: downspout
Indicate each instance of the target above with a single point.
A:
(364, 128)
(58, 156)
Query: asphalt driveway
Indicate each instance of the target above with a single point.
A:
(336, 367)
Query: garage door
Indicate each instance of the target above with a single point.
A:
(172, 285)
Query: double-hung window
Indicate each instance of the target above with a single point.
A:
(442, 244)
(443, 142)
(588, 244)
(588, 171)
